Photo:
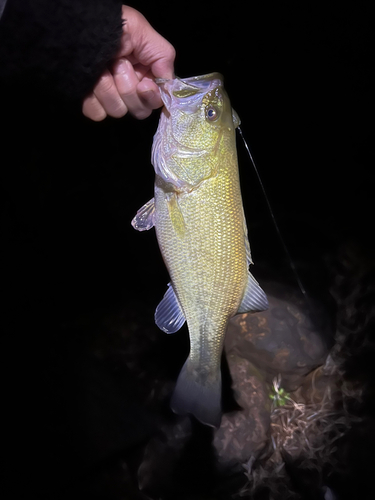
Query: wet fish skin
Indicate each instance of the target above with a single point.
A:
(201, 231)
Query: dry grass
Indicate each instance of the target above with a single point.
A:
(304, 431)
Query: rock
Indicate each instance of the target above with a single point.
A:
(282, 340)
(243, 433)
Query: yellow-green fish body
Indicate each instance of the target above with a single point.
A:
(201, 231)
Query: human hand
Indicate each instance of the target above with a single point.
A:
(128, 85)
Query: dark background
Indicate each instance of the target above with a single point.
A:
(301, 79)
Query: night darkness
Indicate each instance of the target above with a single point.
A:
(88, 373)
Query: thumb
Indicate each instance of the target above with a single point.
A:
(163, 67)
(155, 52)
(142, 43)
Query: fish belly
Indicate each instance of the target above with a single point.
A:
(201, 237)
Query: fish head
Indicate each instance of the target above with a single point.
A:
(196, 122)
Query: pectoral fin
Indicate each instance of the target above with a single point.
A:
(145, 218)
(168, 315)
(175, 214)
(254, 298)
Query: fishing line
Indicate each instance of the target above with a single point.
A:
(289, 257)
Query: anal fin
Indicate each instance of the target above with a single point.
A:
(168, 315)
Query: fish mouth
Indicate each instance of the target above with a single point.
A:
(188, 89)
(198, 80)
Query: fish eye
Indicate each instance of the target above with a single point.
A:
(212, 113)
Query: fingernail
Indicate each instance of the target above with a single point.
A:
(122, 65)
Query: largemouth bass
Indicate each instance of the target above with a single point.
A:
(201, 230)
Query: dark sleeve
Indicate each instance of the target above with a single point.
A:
(61, 46)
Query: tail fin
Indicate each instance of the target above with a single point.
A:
(199, 394)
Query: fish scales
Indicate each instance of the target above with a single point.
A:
(210, 288)
(198, 216)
